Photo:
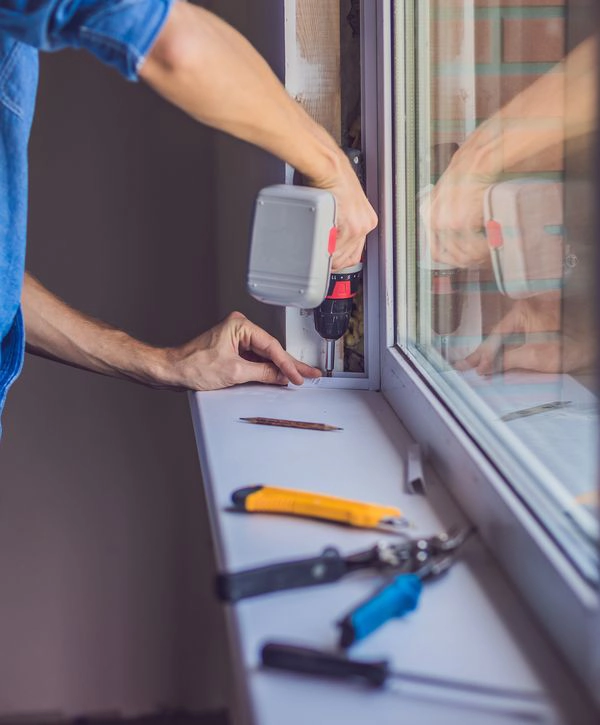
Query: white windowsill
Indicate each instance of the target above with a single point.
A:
(469, 625)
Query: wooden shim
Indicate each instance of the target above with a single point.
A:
(313, 59)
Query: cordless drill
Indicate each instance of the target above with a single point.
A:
(293, 239)
(332, 316)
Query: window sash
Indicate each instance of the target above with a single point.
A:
(564, 602)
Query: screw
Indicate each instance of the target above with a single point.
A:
(571, 261)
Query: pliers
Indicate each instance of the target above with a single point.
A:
(421, 557)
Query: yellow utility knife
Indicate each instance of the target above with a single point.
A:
(268, 499)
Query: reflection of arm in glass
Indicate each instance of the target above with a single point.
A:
(533, 126)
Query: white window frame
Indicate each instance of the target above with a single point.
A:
(302, 341)
(563, 602)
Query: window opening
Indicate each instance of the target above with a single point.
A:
(495, 296)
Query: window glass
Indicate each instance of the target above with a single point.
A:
(496, 254)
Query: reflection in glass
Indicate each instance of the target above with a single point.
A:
(505, 249)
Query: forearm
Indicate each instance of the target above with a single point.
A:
(559, 106)
(234, 351)
(57, 332)
(522, 131)
(209, 70)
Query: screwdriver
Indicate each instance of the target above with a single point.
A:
(490, 698)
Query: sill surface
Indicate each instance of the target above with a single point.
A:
(469, 626)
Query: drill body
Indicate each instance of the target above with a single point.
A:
(292, 243)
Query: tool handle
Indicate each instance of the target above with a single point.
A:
(315, 662)
(394, 600)
(268, 499)
(329, 567)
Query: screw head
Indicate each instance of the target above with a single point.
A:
(571, 261)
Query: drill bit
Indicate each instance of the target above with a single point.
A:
(329, 357)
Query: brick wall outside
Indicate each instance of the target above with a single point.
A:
(485, 52)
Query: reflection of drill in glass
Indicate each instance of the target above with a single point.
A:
(442, 281)
(445, 300)
(332, 316)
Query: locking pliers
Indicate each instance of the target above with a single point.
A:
(425, 556)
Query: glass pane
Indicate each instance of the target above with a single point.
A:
(501, 240)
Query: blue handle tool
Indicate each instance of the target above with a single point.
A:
(394, 600)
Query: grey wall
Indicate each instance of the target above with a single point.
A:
(104, 552)
(241, 170)
(140, 217)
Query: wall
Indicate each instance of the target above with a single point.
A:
(106, 594)
(140, 217)
(241, 171)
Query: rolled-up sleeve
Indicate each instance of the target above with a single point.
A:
(119, 32)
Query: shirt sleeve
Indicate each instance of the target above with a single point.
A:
(119, 32)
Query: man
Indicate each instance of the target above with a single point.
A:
(202, 65)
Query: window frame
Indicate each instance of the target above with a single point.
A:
(302, 341)
(563, 602)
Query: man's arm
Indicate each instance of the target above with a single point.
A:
(534, 125)
(205, 67)
(201, 64)
(235, 351)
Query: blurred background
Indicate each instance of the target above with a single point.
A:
(138, 216)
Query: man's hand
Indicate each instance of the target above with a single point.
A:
(235, 351)
(355, 216)
(205, 67)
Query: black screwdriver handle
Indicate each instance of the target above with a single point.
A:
(329, 567)
(310, 661)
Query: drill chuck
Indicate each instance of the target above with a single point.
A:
(332, 316)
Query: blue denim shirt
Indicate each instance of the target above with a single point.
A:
(119, 33)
